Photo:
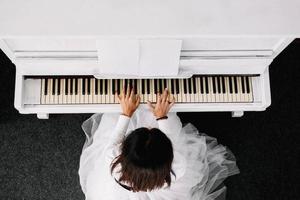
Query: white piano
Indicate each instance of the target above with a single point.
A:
(225, 53)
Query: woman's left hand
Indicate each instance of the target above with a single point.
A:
(129, 101)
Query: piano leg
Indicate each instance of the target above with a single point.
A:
(237, 113)
(43, 115)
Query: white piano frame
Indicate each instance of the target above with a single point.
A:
(194, 62)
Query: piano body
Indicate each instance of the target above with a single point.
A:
(223, 63)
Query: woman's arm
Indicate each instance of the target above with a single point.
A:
(161, 109)
(129, 103)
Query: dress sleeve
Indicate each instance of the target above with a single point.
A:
(164, 125)
(117, 135)
(119, 131)
(170, 126)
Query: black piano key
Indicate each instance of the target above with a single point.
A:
(53, 86)
(66, 86)
(125, 85)
(155, 86)
(113, 87)
(88, 86)
(214, 85)
(131, 84)
(206, 84)
(194, 86)
(223, 85)
(201, 85)
(76, 86)
(96, 86)
(58, 86)
(160, 86)
(83, 86)
(148, 86)
(177, 86)
(71, 86)
(136, 86)
(172, 87)
(184, 86)
(46, 87)
(219, 84)
(243, 85)
(189, 84)
(248, 84)
(105, 86)
(143, 86)
(230, 85)
(101, 86)
(235, 84)
(118, 86)
(165, 84)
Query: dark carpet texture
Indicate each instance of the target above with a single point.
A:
(39, 158)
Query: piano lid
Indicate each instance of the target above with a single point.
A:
(149, 18)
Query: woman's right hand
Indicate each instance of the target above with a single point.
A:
(163, 104)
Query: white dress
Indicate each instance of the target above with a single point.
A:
(200, 163)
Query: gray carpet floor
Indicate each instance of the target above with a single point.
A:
(39, 158)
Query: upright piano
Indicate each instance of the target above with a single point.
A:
(225, 53)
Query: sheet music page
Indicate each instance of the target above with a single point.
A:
(159, 57)
(118, 56)
(145, 57)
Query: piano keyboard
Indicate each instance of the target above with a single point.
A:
(198, 89)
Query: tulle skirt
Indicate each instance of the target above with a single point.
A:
(207, 163)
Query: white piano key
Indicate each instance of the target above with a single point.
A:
(69, 99)
(60, 96)
(43, 96)
(62, 91)
(205, 99)
(76, 93)
(234, 98)
(217, 95)
(139, 90)
(246, 96)
(222, 95)
(192, 90)
(56, 92)
(198, 92)
(210, 88)
(153, 92)
(89, 91)
(240, 93)
(146, 98)
(188, 95)
(80, 95)
(175, 88)
(93, 91)
(116, 86)
(250, 97)
(109, 91)
(227, 87)
(103, 99)
(181, 90)
(50, 91)
(169, 86)
(73, 96)
(99, 97)
(150, 95)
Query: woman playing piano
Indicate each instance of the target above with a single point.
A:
(146, 154)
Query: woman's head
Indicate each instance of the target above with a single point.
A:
(146, 158)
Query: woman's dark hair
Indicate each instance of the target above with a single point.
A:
(146, 159)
